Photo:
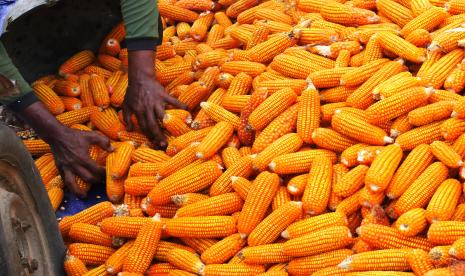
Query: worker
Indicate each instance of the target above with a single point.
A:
(145, 98)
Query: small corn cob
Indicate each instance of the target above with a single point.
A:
(412, 222)
(183, 141)
(308, 265)
(188, 180)
(177, 13)
(220, 114)
(395, 84)
(419, 38)
(74, 266)
(223, 250)
(452, 128)
(224, 204)
(313, 224)
(139, 185)
(257, 201)
(389, 259)
(144, 248)
(201, 227)
(421, 135)
(397, 105)
(49, 98)
(91, 215)
(185, 260)
(410, 198)
(318, 188)
(396, 12)
(385, 237)
(382, 169)
(298, 162)
(214, 140)
(437, 74)
(199, 245)
(401, 47)
(37, 147)
(329, 139)
(349, 16)
(446, 232)
(240, 85)
(419, 261)
(351, 182)
(55, 194)
(446, 154)
(230, 156)
(76, 62)
(263, 254)
(235, 67)
(430, 113)
(90, 254)
(243, 168)
(148, 155)
(286, 144)
(232, 269)
(439, 209)
(373, 50)
(107, 122)
(458, 249)
(361, 74)
(265, 51)
(308, 114)
(321, 241)
(241, 186)
(293, 66)
(427, 20)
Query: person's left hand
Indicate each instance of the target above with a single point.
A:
(146, 97)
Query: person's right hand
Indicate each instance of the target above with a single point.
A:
(70, 148)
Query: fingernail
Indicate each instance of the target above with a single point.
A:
(112, 148)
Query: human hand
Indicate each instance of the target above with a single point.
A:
(146, 97)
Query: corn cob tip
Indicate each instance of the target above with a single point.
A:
(305, 23)
(454, 114)
(240, 255)
(429, 91)
(243, 236)
(117, 242)
(434, 46)
(272, 166)
(388, 140)
(199, 155)
(461, 43)
(373, 19)
(166, 118)
(234, 178)
(111, 270)
(453, 252)
(293, 189)
(374, 188)
(310, 85)
(403, 227)
(285, 234)
(323, 50)
(297, 204)
(394, 133)
(345, 264)
(121, 210)
(156, 217)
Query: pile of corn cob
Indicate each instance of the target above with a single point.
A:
(322, 137)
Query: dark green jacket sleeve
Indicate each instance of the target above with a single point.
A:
(9, 70)
(142, 24)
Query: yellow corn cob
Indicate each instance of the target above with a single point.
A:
(99, 91)
(49, 98)
(455, 7)
(431, 59)
(369, 199)
(373, 50)
(220, 114)
(214, 140)
(327, 78)
(240, 85)
(318, 188)
(430, 113)
(336, 94)
(459, 213)
(349, 205)
(224, 204)
(389, 259)
(349, 156)
(421, 135)
(74, 266)
(426, 183)
(263, 254)
(223, 250)
(321, 241)
(401, 47)
(90, 254)
(243, 168)
(185, 260)
(436, 75)
(452, 128)
(107, 122)
(362, 97)
(77, 116)
(393, 84)
(445, 232)
(427, 20)
(259, 35)
(235, 67)
(294, 66)
(198, 176)
(310, 225)
(396, 12)
(412, 222)
(309, 265)
(440, 209)
(148, 155)
(265, 51)
(177, 13)
(37, 147)
(123, 226)
(286, 144)
(88, 233)
(115, 262)
(298, 162)
(200, 26)
(76, 62)
(230, 156)
(455, 82)
(346, 15)
(458, 249)
(201, 227)
(321, 62)
(139, 185)
(361, 74)
(232, 269)
(385, 237)
(282, 197)
(329, 139)
(440, 255)
(257, 201)
(241, 186)
(92, 215)
(351, 182)
(181, 142)
(383, 168)
(446, 154)
(55, 194)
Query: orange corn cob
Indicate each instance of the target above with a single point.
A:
(351, 182)
(440, 255)
(199, 177)
(90, 254)
(37, 147)
(185, 140)
(318, 188)
(76, 62)
(321, 241)
(122, 160)
(119, 91)
(386, 237)
(265, 51)
(396, 12)
(177, 13)
(123, 226)
(458, 249)
(88, 233)
(401, 47)
(421, 135)
(452, 128)
(382, 169)
(235, 67)
(214, 140)
(349, 156)
(419, 37)
(115, 262)
(139, 185)
(389, 259)
(77, 116)
(329, 139)
(298, 162)
(294, 66)
(67, 88)
(243, 168)
(232, 269)
(230, 156)
(437, 74)
(74, 266)
(286, 144)
(410, 198)
(419, 261)
(346, 15)
(93, 69)
(223, 250)
(241, 186)
(439, 209)
(314, 224)
(263, 254)
(220, 114)
(308, 265)
(91, 215)
(427, 20)
(296, 185)
(224, 204)
(55, 194)
(455, 82)
(373, 50)
(430, 113)
(359, 75)
(148, 155)
(185, 260)
(257, 201)
(269, 229)
(412, 222)
(49, 98)
(107, 122)
(201, 227)
(446, 154)
(308, 114)
(445, 232)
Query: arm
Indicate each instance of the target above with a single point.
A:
(70, 147)
(145, 97)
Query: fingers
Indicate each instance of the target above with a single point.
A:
(89, 173)
(70, 182)
(159, 138)
(143, 124)
(127, 118)
(99, 140)
(175, 102)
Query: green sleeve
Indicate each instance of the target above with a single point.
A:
(141, 18)
(9, 70)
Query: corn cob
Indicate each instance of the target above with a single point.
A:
(421, 135)
(437, 74)
(419, 38)
(382, 169)
(325, 240)
(396, 12)
(243, 168)
(286, 144)
(214, 140)
(263, 254)
(223, 250)
(232, 269)
(361, 74)
(74, 266)
(177, 13)
(181, 142)
(185, 260)
(401, 47)
(49, 98)
(410, 199)
(446, 154)
(298, 162)
(198, 176)
(439, 209)
(346, 15)
(307, 265)
(201, 227)
(293, 66)
(412, 222)
(257, 201)
(391, 238)
(458, 249)
(115, 262)
(76, 62)
(148, 155)
(430, 113)
(452, 128)
(329, 139)
(90, 254)
(224, 204)
(91, 215)
(445, 232)
(241, 186)
(389, 259)
(351, 182)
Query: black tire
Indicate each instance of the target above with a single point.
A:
(27, 220)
